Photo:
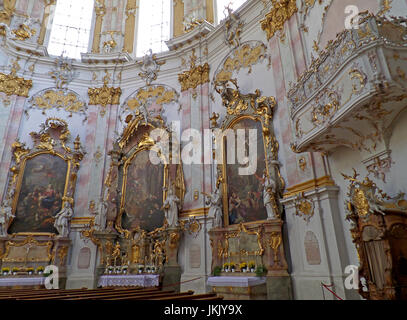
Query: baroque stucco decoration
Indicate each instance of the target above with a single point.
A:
(150, 67)
(105, 95)
(148, 102)
(274, 21)
(245, 56)
(195, 76)
(52, 98)
(11, 84)
(338, 101)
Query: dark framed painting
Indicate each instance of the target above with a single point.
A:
(143, 193)
(243, 200)
(40, 192)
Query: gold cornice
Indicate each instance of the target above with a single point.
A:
(195, 76)
(309, 186)
(281, 12)
(11, 84)
(82, 220)
(194, 212)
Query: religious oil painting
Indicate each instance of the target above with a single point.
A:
(143, 194)
(41, 192)
(245, 192)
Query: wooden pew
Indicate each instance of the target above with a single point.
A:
(163, 295)
(191, 297)
(89, 295)
(108, 293)
(58, 293)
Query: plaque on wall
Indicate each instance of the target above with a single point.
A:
(312, 251)
(84, 258)
(195, 256)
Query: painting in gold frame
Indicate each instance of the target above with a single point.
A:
(243, 195)
(142, 193)
(40, 192)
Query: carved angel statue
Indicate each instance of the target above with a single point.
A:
(215, 210)
(5, 215)
(63, 72)
(269, 188)
(101, 213)
(171, 208)
(116, 252)
(233, 27)
(149, 67)
(63, 218)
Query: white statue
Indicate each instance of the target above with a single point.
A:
(5, 215)
(269, 188)
(62, 219)
(101, 214)
(171, 208)
(215, 210)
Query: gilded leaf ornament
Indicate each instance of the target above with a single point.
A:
(245, 56)
(156, 93)
(10, 84)
(105, 95)
(281, 12)
(64, 98)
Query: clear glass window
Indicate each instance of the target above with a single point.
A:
(154, 26)
(221, 7)
(71, 28)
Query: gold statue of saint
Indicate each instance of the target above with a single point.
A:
(116, 252)
(136, 253)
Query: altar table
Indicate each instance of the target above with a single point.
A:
(239, 288)
(140, 280)
(21, 282)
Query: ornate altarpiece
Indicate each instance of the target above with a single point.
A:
(135, 192)
(43, 178)
(259, 238)
(379, 231)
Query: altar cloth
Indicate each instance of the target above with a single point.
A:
(140, 280)
(27, 281)
(226, 281)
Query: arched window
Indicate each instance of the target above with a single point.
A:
(221, 4)
(154, 26)
(71, 28)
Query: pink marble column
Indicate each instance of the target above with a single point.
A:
(11, 134)
(82, 187)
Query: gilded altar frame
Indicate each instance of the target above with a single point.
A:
(135, 139)
(50, 140)
(258, 108)
(225, 185)
(236, 234)
(126, 165)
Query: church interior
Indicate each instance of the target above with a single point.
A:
(219, 149)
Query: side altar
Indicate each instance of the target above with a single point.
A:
(38, 206)
(248, 250)
(255, 254)
(136, 226)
